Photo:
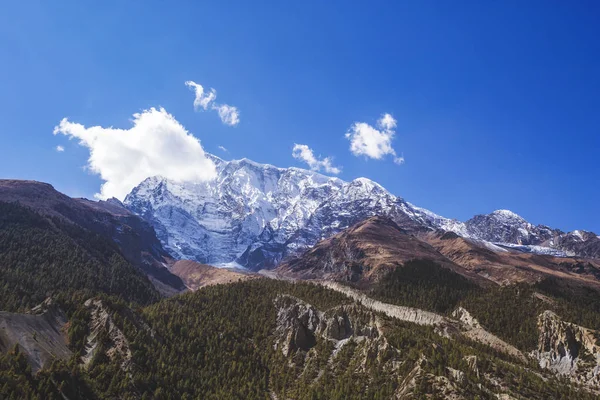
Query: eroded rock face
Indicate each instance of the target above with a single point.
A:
(299, 324)
(465, 317)
(568, 349)
(105, 336)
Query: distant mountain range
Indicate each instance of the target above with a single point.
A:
(256, 215)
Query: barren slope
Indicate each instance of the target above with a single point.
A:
(196, 275)
(505, 266)
(365, 252)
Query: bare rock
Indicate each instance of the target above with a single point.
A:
(105, 336)
(568, 349)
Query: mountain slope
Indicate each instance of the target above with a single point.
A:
(196, 275)
(272, 339)
(41, 256)
(40, 335)
(134, 237)
(506, 265)
(365, 252)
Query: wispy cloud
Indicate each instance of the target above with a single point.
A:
(205, 100)
(223, 149)
(374, 142)
(229, 115)
(304, 153)
(156, 144)
(59, 148)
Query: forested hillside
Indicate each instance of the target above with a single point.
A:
(225, 342)
(41, 257)
(511, 312)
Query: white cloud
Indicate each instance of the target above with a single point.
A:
(229, 115)
(223, 149)
(366, 140)
(156, 144)
(202, 99)
(304, 153)
(59, 148)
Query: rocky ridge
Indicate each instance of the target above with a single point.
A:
(464, 324)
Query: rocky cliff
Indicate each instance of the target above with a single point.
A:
(568, 349)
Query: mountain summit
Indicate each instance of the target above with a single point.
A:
(256, 214)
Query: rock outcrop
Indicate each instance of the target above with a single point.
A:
(299, 324)
(568, 349)
(105, 336)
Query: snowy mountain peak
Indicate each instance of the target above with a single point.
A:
(256, 214)
(502, 226)
(507, 214)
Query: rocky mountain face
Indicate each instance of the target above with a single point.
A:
(568, 349)
(504, 226)
(135, 238)
(511, 230)
(256, 215)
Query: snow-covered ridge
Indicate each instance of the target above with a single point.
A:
(255, 214)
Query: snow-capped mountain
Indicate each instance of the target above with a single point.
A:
(256, 214)
(504, 226)
(508, 229)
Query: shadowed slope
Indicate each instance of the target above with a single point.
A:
(135, 238)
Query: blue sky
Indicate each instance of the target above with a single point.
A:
(496, 103)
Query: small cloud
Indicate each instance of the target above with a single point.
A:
(223, 149)
(304, 153)
(156, 144)
(229, 114)
(204, 100)
(59, 148)
(374, 142)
